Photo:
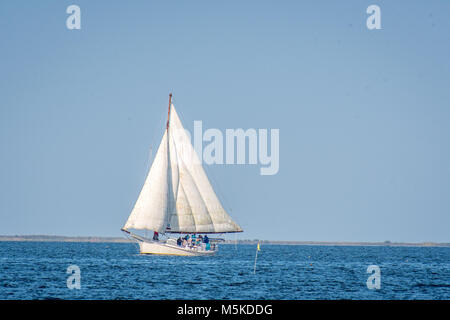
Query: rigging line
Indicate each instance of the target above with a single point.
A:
(133, 241)
(155, 133)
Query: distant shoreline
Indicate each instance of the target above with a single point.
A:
(46, 238)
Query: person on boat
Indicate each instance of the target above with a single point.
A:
(179, 241)
(155, 236)
(205, 239)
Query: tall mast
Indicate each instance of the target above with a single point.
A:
(168, 113)
(169, 171)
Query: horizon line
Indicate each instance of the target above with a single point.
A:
(62, 238)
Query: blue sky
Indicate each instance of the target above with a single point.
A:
(364, 115)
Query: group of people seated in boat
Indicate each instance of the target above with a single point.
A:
(190, 241)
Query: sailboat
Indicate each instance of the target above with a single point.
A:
(178, 199)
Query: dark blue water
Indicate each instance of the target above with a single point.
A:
(37, 270)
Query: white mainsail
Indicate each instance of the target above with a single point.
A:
(177, 195)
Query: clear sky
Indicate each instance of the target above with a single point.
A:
(364, 115)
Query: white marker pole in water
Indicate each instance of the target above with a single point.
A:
(256, 257)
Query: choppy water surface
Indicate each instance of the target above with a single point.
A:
(37, 270)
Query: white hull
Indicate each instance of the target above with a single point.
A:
(161, 248)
